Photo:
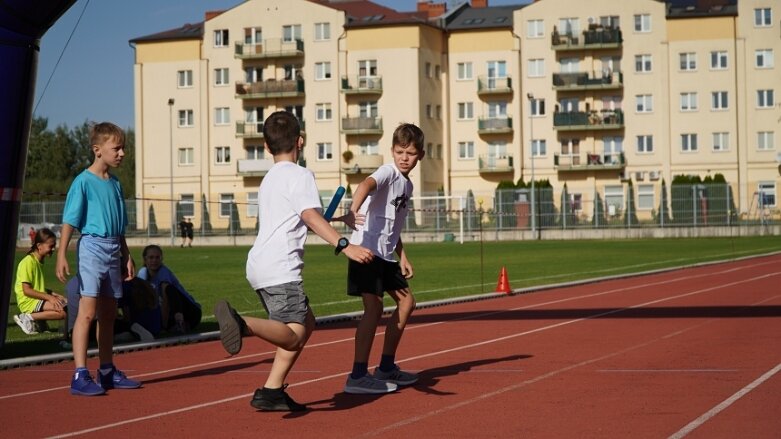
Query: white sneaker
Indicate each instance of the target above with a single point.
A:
(141, 332)
(26, 322)
(367, 384)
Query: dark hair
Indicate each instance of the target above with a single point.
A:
(151, 247)
(101, 132)
(142, 296)
(409, 134)
(281, 132)
(41, 236)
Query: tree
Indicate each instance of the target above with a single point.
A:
(664, 207)
(152, 220)
(598, 220)
(234, 225)
(206, 224)
(630, 213)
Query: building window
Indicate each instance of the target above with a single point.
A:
(642, 63)
(226, 201)
(539, 148)
(689, 101)
(187, 205)
(323, 112)
(719, 100)
(291, 33)
(186, 156)
(221, 76)
(465, 111)
(322, 31)
(222, 116)
(763, 17)
(186, 118)
(464, 71)
(222, 155)
(428, 72)
(645, 144)
(535, 29)
(325, 151)
(369, 148)
(497, 110)
(466, 150)
(767, 191)
(764, 58)
(614, 199)
(688, 62)
(254, 152)
(368, 109)
(252, 204)
(429, 112)
(537, 107)
(765, 99)
(645, 196)
(569, 26)
(718, 60)
(536, 68)
(610, 21)
(437, 71)
(221, 38)
(645, 103)
(765, 140)
(322, 71)
(688, 142)
(720, 141)
(439, 112)
(643, 23)
(184, 78)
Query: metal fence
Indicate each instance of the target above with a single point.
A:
(500, 210)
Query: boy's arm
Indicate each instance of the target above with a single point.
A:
(404, 264)
(127, 259)
(315, 221)
(366, 187)
(29, 291)
(62, 269)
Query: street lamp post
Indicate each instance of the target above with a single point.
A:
(171, 167)
(531, 157)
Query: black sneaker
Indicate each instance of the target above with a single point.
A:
(232, 326)
(275, 400)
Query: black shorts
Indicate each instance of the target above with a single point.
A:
(375, 277)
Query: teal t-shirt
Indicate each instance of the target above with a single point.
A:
(95, 206)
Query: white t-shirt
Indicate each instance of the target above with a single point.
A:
(385, 209)
(277, 256)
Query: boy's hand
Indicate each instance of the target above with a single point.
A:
(62, 269)
(406, 268)
(352, 219)
(358, 254)
(56, 302)
(130, 269)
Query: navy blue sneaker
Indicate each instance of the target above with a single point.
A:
(116, 379)
(82, 384)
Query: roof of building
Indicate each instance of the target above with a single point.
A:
(185, 32)
(468, 17)
(363, 13)
(701, 8)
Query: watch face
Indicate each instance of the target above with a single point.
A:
(343, 242)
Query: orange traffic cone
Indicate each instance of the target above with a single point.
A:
(503, 286)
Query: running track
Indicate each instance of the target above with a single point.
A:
(687, 353)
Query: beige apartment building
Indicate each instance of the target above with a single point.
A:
(594, 94)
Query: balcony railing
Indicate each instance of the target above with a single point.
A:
(495, 125)
(270, 48)
(270, 88)
(582, 81)
(490, 85)
(254, 167)
(589, 162)
(249, 130)
(592, 120)
(362, 125)
(363, 164)
(495, 163)
(361, 85)
(597, 37)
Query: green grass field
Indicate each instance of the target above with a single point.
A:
(442, 270)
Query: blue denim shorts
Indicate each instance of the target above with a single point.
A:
(100, 271)
(286, 303)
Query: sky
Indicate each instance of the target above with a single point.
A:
(93, 80)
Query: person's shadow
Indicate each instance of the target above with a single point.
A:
(427, 379)
(208, 372)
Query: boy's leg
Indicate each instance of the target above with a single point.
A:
(286, 358)
(108, 376)
(359, 381)
(80, 336)
(388, 370)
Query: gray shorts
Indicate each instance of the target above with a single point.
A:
(286, 303)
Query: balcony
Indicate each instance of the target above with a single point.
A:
(595, 38)
(249, 130)
(582, 81)
(592, 120)
(363, 164)
(361, 125)
(254, 168)
(271, 48)
(270, 88)
(589, 162)
(362, 85)
(495, 163)
(493, 86)
(495, 125)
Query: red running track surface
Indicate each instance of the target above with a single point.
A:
(686, 353)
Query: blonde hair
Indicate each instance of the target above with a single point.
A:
(102, 132)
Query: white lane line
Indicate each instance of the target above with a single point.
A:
(668, 370)
(724, 404)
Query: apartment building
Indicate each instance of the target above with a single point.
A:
(594, 94)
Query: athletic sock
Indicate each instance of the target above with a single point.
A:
(359, 370)
(106, 368)
(387, 363)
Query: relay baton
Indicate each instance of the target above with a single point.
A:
(334, 203)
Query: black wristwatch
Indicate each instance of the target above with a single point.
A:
(341, 245)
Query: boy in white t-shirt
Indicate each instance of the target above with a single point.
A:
(382, 198)
(288, 204)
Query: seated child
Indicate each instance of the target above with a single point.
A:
(36, 304)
